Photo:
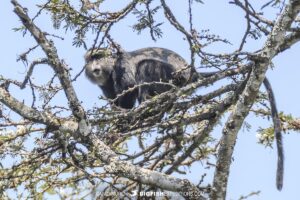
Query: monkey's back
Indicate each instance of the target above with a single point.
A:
(163, 55)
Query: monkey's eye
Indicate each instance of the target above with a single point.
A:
(96, 71)
(96, 56)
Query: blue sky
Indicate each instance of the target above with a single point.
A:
(254, 166)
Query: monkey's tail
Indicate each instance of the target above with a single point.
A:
(278, 135)
(280, 161)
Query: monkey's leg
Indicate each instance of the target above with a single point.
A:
(127, 100)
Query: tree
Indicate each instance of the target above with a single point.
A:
(63, 148)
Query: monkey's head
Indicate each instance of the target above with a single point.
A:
(99, 65)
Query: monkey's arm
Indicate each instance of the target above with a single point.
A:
(123, 79)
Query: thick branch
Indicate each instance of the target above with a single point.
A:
(54, 61)
(145, 176)
(241, 110)
(25, 111)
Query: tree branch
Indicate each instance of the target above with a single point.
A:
(103, 152)
(235, 120)
(54, 61)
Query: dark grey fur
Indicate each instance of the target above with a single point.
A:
(116, 73)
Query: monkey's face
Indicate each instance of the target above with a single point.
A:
(99, 70)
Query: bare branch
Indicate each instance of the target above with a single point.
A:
(234, 122)
(54, 61)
